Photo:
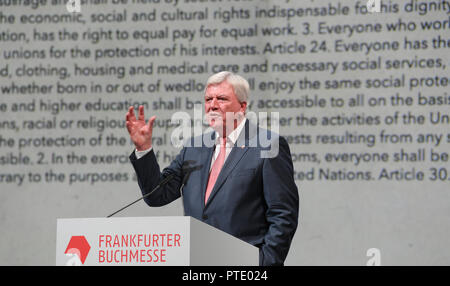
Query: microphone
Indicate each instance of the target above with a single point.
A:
(162, 183)
(187, 170)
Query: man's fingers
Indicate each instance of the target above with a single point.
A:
(130, 114)
(141, 113)
(151, 121)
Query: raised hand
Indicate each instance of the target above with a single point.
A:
(140, 132)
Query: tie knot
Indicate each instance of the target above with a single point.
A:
(223, 141)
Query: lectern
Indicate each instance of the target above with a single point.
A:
(171, 241)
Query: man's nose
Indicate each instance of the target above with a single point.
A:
(214, 103)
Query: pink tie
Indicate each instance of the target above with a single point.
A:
(215, 170)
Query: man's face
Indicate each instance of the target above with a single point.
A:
(220, 99)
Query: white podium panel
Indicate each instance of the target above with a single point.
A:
(171, 241)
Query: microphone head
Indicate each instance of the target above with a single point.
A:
(187, 164)
(188, 167)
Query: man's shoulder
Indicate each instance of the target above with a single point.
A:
(252, 135)
(204, 140)
(260, 136)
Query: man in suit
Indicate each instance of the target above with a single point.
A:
(235, 184)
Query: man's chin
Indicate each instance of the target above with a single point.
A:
(216, 125)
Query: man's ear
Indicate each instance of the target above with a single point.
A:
(243, 106)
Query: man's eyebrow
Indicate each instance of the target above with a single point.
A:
(218, 95)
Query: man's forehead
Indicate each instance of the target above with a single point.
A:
(223, 88)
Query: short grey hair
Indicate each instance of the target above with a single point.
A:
(239, 84)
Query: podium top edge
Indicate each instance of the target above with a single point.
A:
(126, 218)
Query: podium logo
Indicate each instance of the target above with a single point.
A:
(77, 250)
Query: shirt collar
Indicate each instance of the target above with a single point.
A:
(234, 135)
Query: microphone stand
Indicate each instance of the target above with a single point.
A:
(163, 182)
(182, 199)
(188, 170)
(186, 177)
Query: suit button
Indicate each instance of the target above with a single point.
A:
(204, 217)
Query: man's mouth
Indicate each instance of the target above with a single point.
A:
(214, 115)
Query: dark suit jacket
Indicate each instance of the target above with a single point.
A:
(254, 198)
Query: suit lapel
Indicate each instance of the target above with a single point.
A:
(233, 158)
(206, 156)
(236, 154)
